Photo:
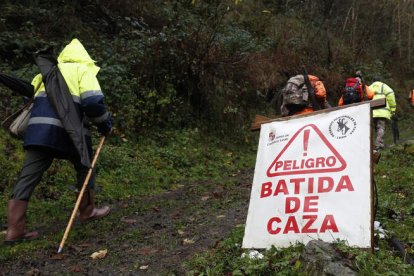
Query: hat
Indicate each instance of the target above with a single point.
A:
(376, 78)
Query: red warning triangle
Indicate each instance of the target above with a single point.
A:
(308, 151)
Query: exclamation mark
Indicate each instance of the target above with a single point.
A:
(305, 142)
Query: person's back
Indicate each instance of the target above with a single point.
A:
(382, 90)
(56, 130)
(381, 115)
(45, 128)
(296, 99)
(355, 91)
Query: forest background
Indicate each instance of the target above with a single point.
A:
(184, 79)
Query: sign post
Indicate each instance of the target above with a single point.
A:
(313, 180)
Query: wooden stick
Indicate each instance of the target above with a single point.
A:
(259, 120)
(82, 191)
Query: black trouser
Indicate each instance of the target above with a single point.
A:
(36, 162)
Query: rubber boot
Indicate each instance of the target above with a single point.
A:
(87, 210)
(16, 222)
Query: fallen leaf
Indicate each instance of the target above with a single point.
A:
(220, 216)
(75, 269)
(125, 205)
(147, 251)
(188, 241)
(156, 209)
(57, 256)
(128, 221)
(216, 194)
(33, 272)
(204, 198)
(143, 267)
(99, 255)
(180, 232)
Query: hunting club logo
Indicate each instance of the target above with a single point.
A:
(342, 126)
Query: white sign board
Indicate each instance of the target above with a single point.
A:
(312, 181)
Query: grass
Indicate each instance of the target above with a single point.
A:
(127, 170)
(393, 176)
(131, 169)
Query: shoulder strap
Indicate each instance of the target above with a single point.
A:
(311, 91)
(356, 84)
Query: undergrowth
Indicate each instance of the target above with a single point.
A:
(126, 171)
(395, 211)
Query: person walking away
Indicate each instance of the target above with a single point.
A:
(381, 115)
(47, 138)
(296, 98)
(355, 90)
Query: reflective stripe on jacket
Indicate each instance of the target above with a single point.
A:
(381, 90)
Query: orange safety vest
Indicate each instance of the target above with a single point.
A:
(320, 94)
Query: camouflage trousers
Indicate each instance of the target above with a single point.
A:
(379, 124)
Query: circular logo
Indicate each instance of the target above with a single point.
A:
(271, 136)
(342, 126)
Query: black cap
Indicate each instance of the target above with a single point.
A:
(376, 78)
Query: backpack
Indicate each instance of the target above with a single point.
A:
(352, 93)
(295, 95)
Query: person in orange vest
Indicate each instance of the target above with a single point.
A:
(355, 90)
(296, 98)
(411, 97)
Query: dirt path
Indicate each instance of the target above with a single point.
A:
(149, 236)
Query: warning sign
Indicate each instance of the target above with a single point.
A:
(318, 154)
(312, 181)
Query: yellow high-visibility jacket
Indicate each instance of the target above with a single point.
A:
(79, 71)
(381, 90)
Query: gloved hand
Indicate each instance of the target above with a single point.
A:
(105, 128)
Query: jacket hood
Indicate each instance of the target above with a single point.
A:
(75, 52)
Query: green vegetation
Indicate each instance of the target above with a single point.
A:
(183, 80)
(127, 170)
(226, 259)
(393, 176)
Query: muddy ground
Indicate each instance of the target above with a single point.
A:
(147, 236)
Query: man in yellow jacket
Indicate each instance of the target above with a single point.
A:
(47, 137)
(381, 115)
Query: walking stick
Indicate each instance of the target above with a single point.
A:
(82, 191)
